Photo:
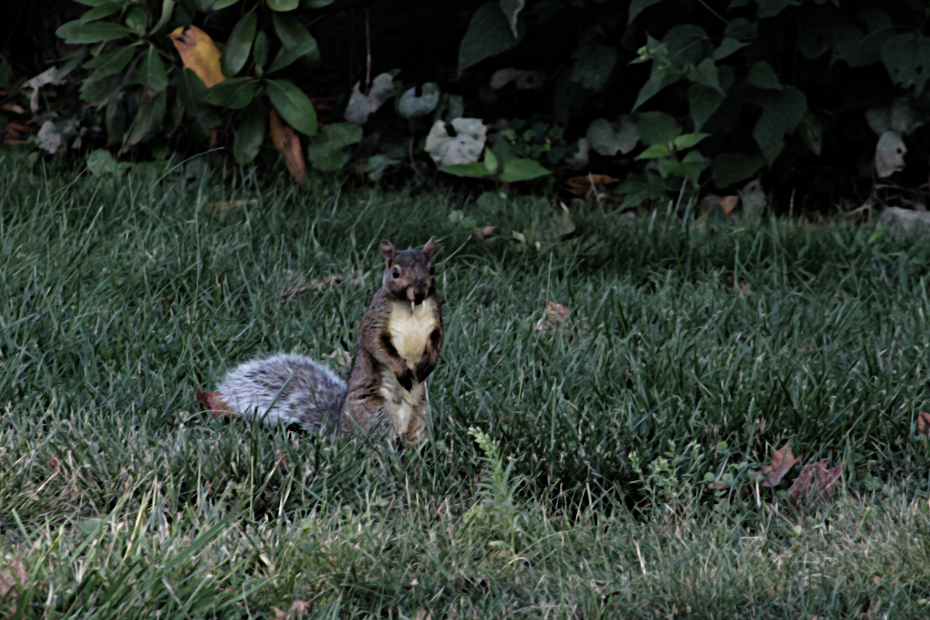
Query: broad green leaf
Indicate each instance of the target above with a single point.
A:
(283, 5)
(287, 55)
(115, 120)
(137, 20)
(488, 34)
(93, 2)
(222, 4)
(727, 48)
(315, 4)
(730, 168)
(326, 153)
(859, 52)
(658, 79)
(151, 71)
(339, 135)
(490, 161)
(167, 8)
(657, 128)
(95, 32)
(703, 101)
(687, 45)
(250, 134)
(593, 65)
(326, 158)
(474, 170)
(689, 140)
(638, 6)
(907, 58)
(175, 118)
(101, 162)
(148, 119)
(409, 105)
(239, 44)
(99, 91)
(293, 106)
(105, 9)
(654, 152)
(691, 166)
(771, 8)
(522, 170)
(113, 61)
(762, 75)
(608, 138)
(235, 93)
(511, 9)
(191, 89)
(782, 110)
(742, 29)
(260, 53)
(706, 74)
(811, 131)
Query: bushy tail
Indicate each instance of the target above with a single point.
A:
(289, 389)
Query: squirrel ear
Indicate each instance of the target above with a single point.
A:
(388, 251)
(430, 246)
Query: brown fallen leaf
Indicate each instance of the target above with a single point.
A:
(222, 207)
(728, 203)
(782, 461)
(214, 403)
(299, 608)
(589, 182)
(423, 615)
(340, 357)
(481, 233)
(199, 54)
(13, 580)
(816, 480)
(555, 313)
(923, 422)
(287, 142)
(716, 486)
(279, 614)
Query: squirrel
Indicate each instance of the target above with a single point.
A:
(399, 342)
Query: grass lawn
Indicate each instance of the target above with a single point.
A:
(629, 438)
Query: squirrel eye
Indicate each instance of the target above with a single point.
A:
(396, 272)
(432, 270)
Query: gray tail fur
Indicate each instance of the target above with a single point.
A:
(286, 389)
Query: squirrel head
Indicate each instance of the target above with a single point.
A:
(408, 274)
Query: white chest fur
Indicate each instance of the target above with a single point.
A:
(410, 330)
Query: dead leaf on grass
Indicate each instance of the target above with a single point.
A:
(923, 422)
(287, 142)
(728, 203)
(816, 480)
(340, 357)
(782, 461)
(589, 182)
(13, 580)
(214, 403)
(555, 313)
(481, 233)
(423, 615)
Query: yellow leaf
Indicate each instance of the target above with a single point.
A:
(199, 54)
